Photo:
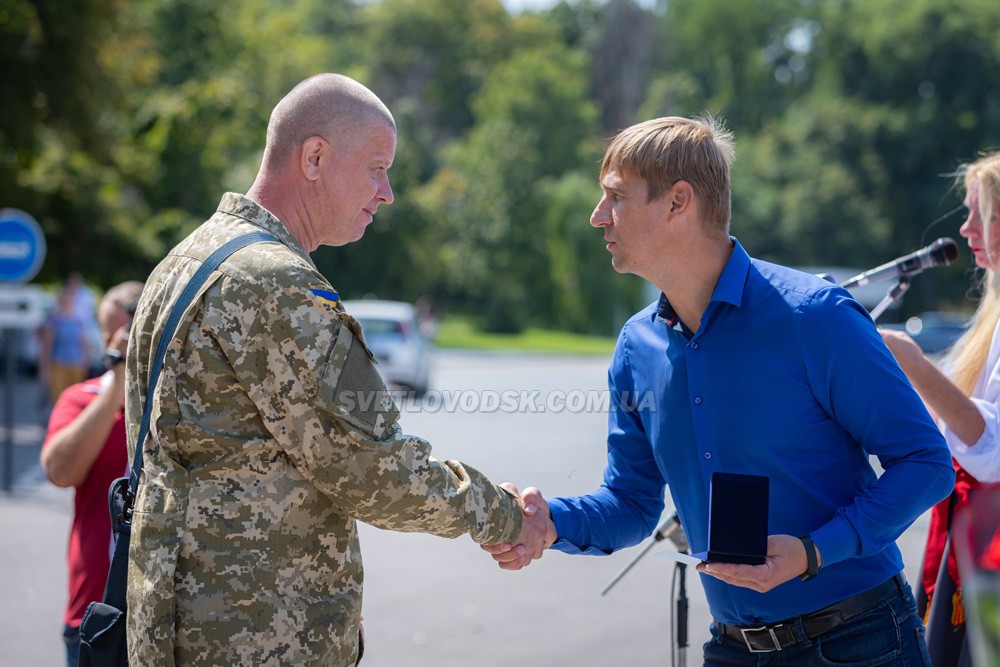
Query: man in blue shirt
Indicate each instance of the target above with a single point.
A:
(755, 369)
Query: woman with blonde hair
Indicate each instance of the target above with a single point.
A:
(964, 398)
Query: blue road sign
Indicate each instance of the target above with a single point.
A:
(22, 246)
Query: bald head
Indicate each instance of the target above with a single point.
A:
(332, 106)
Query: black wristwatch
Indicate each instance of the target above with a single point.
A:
(112, 358)
(812, 563)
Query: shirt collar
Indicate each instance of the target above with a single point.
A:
(729, 289)
(247, 209)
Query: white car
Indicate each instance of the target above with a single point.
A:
(392, 334)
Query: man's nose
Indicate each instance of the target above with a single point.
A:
(601, 216)
(385, 191)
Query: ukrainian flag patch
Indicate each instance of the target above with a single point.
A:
(329, 297)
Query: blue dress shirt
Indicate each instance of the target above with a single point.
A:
(786, 377)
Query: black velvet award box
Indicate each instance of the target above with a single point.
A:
(737, 522)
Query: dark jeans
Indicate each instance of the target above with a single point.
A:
(71, 637)
(888, 633)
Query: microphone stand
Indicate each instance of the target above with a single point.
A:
(667, 527)
(895, 293)
(681, 615)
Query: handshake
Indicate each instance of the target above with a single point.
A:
(537, 532)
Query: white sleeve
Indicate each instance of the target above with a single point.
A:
(982, 459)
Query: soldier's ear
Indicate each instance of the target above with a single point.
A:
(314, 151)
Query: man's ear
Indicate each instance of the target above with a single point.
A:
(314, 151)
(681, 196)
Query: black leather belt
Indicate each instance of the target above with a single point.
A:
(774, 637)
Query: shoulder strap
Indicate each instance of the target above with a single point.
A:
(197, 280)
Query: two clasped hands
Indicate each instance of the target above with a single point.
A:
(537, 532)
(786, 557)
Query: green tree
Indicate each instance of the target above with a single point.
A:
(124, 121)
(435, 54)
(745, 61)
(847, 114)
(806, 185)
(533, 123)
(929, 70)
(440, 54)
(625, 51)
(55, 161)
(197, 83)
(587, 296)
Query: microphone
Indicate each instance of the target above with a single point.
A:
(670, 529)
(942, 252)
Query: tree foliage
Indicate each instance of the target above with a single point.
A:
(123, 123)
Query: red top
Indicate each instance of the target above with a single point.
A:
(89, 552)
(940, 527)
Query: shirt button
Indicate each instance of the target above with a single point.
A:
(694, 345)
(708, 455)
(697, 400)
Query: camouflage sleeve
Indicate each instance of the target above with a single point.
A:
(322, 398)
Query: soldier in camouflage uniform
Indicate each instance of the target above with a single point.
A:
(271, 429)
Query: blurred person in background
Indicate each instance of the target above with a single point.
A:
(964, 396)
(64, 351)
(84, 301)
(426, 316)
(85, 449)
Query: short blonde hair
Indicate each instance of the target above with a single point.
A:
(663, 151)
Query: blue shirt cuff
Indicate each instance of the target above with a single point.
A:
(564, 520)
(836, 541)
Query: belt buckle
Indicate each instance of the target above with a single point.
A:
(770, 635)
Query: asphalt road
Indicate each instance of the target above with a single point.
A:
(432, 602)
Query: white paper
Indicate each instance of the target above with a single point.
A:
(687, 559)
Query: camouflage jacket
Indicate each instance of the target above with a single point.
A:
(271, 433)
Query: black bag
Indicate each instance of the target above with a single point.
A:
(103, 641)
(102, 631)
